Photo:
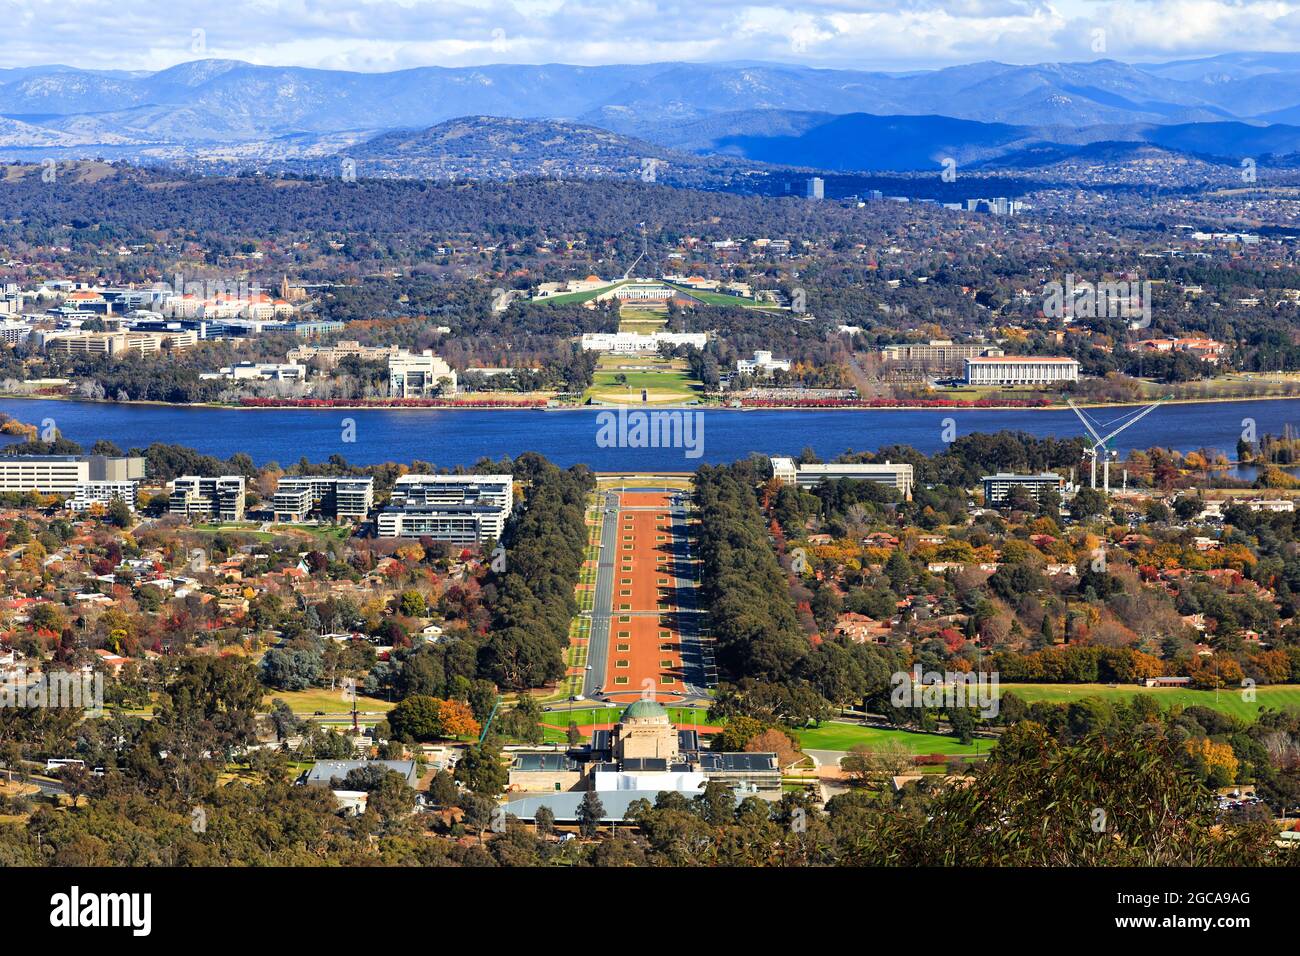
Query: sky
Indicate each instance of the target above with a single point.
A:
(382, 35)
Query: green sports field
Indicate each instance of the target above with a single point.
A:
(305, 703)
(840, 736)
(1228, 700)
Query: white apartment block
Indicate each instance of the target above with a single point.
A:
(297, 496)
(11, 333)
(200, 496)
(92, 493)
(419, 375)
(353, 497)
(462, 509)
(1021, 370)
(292, 502)
(898, 476)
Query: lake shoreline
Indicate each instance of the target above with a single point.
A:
(645, 407)
(371, 435)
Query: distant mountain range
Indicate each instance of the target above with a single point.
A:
(1225, 107)
(860, 141)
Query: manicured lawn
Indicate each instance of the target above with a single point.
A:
(674, 378)
(559, 716)
(1230, 385)
(328, 531)
(840, 736)
(335, 532)
(663, 385)
(576, 298)
(249, 529)
(642, 323)
(722, 299)
(307, 702)
(1227, 700)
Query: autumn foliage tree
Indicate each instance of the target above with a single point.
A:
(424, 718)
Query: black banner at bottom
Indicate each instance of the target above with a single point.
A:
(145, 907)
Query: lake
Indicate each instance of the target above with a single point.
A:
(448, 437)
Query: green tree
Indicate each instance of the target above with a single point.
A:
(416, 718)
(442, 789)
(1087, 503)
(411, 604)
(481, 771)
(590, 812)
(119, 513)
(545, 820)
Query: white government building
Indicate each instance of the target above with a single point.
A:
(896, 475)
(419, 375)
(1020, 370)
(761, 363)
(631, 343)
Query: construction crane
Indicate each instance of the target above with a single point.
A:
(1100, 447)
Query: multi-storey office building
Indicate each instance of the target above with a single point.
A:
(897, 476)
(936, 352)
(61, 474)
(11, 333)
(998, 488)
(118, 343)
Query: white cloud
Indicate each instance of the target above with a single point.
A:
(392, 34)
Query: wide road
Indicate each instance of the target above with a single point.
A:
(699, 671)
(646, 638)
(602, 599)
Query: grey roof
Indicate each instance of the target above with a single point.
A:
(323, 771)
(711, 761)
(555, 761)
(565, 805)
(635, 764)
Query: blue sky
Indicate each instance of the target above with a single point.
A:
(374, 35)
